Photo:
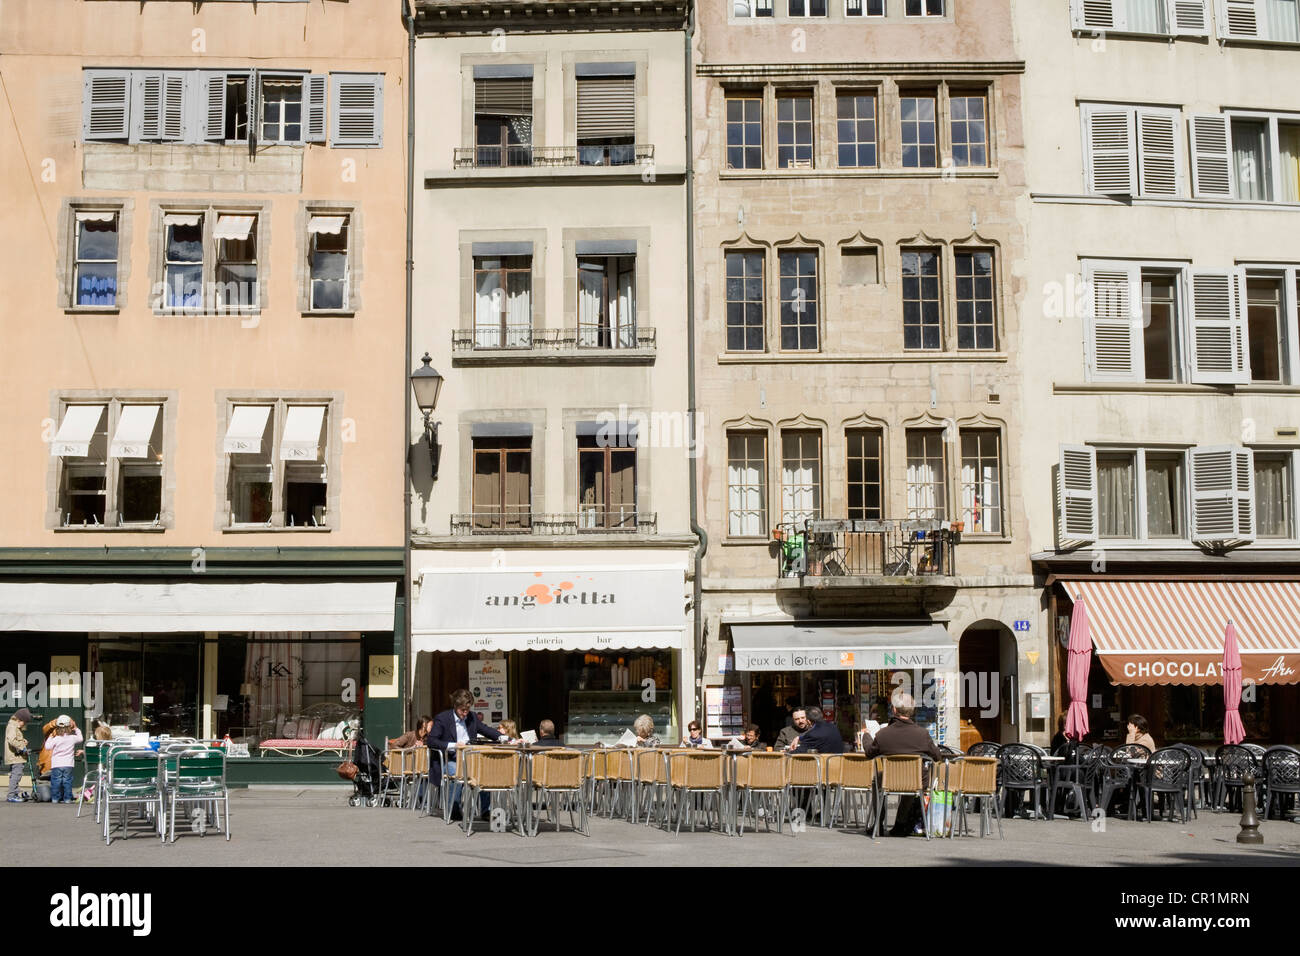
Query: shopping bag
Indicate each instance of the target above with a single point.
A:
(938, 813)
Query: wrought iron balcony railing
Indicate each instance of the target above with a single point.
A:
(516, 338)
(587, 521)
(503, 157)
(853, 548)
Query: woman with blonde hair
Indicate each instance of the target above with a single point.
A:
(509, 729)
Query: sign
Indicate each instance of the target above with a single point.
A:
(1038, 707)
(1020, 625)
(488, 684)
(723, 717)
(726, 664)
(862, 659)
(828, 700)
(381, 677)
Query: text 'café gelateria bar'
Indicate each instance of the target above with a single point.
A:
(1159, 652)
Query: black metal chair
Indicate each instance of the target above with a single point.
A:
(1166, 772)
(985, 748)
(1022, 771)
(1075, 777)
(948, 751)
(1195, 776)
(1232, 764)
(1115, 776)
(1281, 776)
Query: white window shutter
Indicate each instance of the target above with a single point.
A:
(1189, 18)
(1158, 152)
(1095, 15)
(1111, 157)
(1211, 156)
(1115, 323)
(212, 107)
(1077, 505)
(147, 106)
(1239, 19)
(316, 90)
(105, 104)
(358, 109)
(1219, 348)
(1223, 495)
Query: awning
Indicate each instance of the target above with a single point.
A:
(866, 647)
(302, 427)
(552, 610)
(233, 227)
(247, 426)
(88, 215)
(120, 608)
(134, 430)
(80, 422)
(181, 219)
(331, 225)
(1171, 632)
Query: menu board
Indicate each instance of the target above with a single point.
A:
(487, 682)
(723, 714)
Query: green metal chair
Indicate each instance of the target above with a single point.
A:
(134, 779)
(200, 778)
(93, 775)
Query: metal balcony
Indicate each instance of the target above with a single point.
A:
(524, 338)
(587, 521)
(844, 548)
(505, 157)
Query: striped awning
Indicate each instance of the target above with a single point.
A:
(1171, 632)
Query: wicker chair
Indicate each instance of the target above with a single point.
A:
(1022, 771)
(1167, 772)
(900, 775)
(650, 785)
(764, 778)
(559, 778)
(852, 776)
(806, 777)
(697, 775)
(392, 781)
(494, 772)
(1232, 764)
(979, 782)
(947, 777)
(1281, 776)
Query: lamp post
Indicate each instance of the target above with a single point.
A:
(426, 382)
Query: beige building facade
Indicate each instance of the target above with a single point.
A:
(859, 192)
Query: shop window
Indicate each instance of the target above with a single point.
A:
(502, 489)
(801, 477)
(927, 475)
(607, 482)
(747, 484)
(865, 471)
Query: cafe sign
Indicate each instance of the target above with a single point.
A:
(857, 659)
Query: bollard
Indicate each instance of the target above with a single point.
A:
(1249, 818)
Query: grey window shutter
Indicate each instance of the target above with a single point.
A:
(1189, 18)
(316, 91)
(1115, 326)
(606, 107)
(172, 110)
(1112, 160)
(1223, 495)
(106, 104)
(1239, 19)
(504, 96)
(358, 109)
(1158, 152)
(212, 105)
(1220, 355)
(1211, 156)
(1095, 15)
(1076, 497)
(147, 102)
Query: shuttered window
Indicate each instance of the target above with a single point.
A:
(606, 114)
(105, 104)
(1076, 496)
(1114, 322)
(1220, 353)
(1159, 17)
(1223, 495)
(503, 120)
(1277, 21)
(1211, 157)
(358, 118)
(1131, 151)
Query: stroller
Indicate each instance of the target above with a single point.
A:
(365, 785)
(40, 792)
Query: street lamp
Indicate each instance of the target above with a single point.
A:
(427, 383)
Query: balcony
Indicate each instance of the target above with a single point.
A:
(585, 522)
(522, 344)
(501, 157)
(832, 548)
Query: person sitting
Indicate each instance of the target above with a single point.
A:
(790, 733)
(508, 729)
(546, 734)
(453, 728)
(644, 728)
(694, 738)
(820, 736)
(902, 735)
(1139, 732)
(412, 738)
(751, 738)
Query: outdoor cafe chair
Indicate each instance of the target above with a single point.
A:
(135, 779)
(765, 780)
(455, 774)
(1022, 772)
(985, 748)
(200, 778)
(611, 782)
(900, 774)
(850, 777)
(806, 784)
(431, 802)
(650, 791)
(1232, 764)
(979, 782)
(698, 776)
(1166, 772)
(1281, 776)
(93, 774)
(1195, 776)
(495, 772)
(1074, 778)
(418, 767)
(392, 780)
(559, 778)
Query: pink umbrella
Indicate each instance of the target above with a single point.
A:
(1076, 721)
(1233, 731)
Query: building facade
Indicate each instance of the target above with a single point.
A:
(1161, 440)
(859, 186)
(550, 520)
(203, 218)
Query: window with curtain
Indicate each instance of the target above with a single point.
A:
(281, 110)
(981, 481)
(1280, 21)
(503, 307)
(1117, 495)
(502, 489)
(1164, 495)
(926, 475)
(1288, 137)
(183, 260)
(606, 302)
(95, 273)
(1273, 493)
(1264, 324)
(607, 483)
(801, 476)
(1144, 16)
(865, 474)
(1250, 154)
(1159, 306)
(503, 121)
(747, 484)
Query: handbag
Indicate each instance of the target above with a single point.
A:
(347, 770)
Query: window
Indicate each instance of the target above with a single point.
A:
(747, 484)
(864, 8)
(1154, 17)
(607, 302)
(1117, 495)
(137, 446)
(981, 481)
(503, 313)
(502, 491)
(927, 476)
(856, 126)
(798, 289)
(975, 304)
(744, 131)
(281, 110)
(606, 114)
(236, 238)
(923, 8)
(1152, 508)
(969, 129)
(859, 265)
(82, 443)
(1164, 495)
(328, 260)
(1132, 150)
(794, 131)
(1252, 155)
(221, 282)
(921, 323)
(919, 130)
(503, 120)
(1272, 20)
(302, 498)
(745, 301)
(806, 8)
(249, 443)
(110, 483)
(301, 447)
(866, 491)
(183, 260)
(1264, 321)
(801, 477)
(94, 280)
(745, 9)
(1264, 156)
(1274, 515)
(1159, 336)
(607, 482)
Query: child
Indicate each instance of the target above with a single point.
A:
(62, 745)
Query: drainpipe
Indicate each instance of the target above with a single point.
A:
(703, 545)
(404, 672)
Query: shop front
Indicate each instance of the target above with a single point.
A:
(589, 649)
(1159, 652)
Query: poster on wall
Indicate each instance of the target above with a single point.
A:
(487, 682)
(723, 716)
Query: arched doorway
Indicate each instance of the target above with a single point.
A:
(990, 683)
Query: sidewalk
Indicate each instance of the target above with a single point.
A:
(315, 827)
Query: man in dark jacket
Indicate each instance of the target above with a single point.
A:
(902, 735)
(821, 737)
(453, 729)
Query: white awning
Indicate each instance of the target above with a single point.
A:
(332, 225)
(799, 647)
(608, 639)
(120, 608)
(181, 219)
(87, 215)
(233, 227)
(134, 430)
(80, 422)
(247, 426)
(302, 426)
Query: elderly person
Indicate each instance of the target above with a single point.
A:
(644, 728)
(546, 734)
(1139, 732)
(902, 735)
(695, 738)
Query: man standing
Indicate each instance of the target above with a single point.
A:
(16, 750)
(902, 735)
(453, 729)
(818, 737)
